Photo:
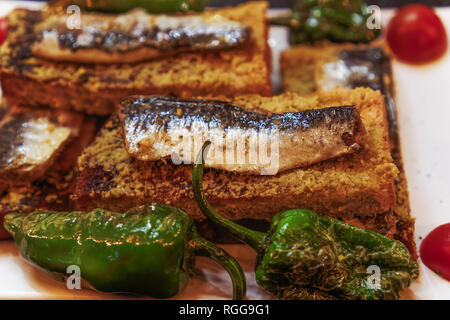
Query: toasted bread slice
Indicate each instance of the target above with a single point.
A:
(97, 88)
(299, 64)
(53, 190)
(306, 69)
(357, 188)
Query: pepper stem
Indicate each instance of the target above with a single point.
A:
(204, 248)
(253, 238)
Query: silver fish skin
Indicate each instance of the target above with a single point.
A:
(355, 68)
(132, 37)
(31, 139)
(242, 141)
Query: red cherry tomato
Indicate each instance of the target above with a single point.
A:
(3, 27)
(435, 250)
(416, 34)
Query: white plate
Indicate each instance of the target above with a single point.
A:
(423, 97)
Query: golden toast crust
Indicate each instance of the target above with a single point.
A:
(96, 89)
(359, 185)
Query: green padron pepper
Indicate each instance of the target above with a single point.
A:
(148, 250)
(334, 20)
(305, 256)
(152, 6)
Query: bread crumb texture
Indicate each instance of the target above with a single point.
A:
(70, 85)
(355, 185)
(301, 64)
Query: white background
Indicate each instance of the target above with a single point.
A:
(423, 102)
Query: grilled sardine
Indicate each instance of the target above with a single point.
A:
(30, 140)
(133, 36)
(354, 68)
(243, 141)
(363, 67)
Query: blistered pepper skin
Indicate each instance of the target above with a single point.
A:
(333, 20)
(310, 257)
(149, 250)
(305, 256)
(115, 252)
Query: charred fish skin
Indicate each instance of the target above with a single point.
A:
(253, 142)
(377, 75)
(146, 36)
(369, 67)
(356, 68)
(216, 113)
(365, 67)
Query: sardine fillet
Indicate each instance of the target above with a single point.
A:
(31, 139)
(357, 188)
(243, 141)
(133, 36)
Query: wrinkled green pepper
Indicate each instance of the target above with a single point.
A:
(304, 256)
(149, 250)
(152, 6)
(334, 20)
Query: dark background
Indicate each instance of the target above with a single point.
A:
(381, 3)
